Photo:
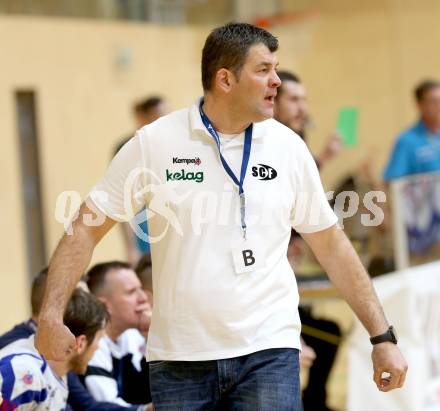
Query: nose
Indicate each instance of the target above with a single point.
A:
(302, 106)
(275, 81)
(142, 297)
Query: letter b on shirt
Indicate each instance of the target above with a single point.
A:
(248, 258)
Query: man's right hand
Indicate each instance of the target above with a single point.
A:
(54, 341)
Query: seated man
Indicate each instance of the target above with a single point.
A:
(79, 398)
(30, 382)
(118, 372)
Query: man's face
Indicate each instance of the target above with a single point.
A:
(429, 106)
(253, 92)
(125, 299)
(291, 106)
(78, 363)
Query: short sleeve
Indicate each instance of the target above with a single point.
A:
(400, 161)
(311, 211)
(120, 193)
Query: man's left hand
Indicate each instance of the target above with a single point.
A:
(387, 358)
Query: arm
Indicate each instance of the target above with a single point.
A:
(332, 147)
(338, 258)
(70, 260)
(119, 194)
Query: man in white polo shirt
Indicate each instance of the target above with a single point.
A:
(225, 183)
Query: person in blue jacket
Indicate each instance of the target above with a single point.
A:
(417, 149)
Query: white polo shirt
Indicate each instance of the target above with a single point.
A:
(203, 309)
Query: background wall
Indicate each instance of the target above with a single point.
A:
(88, 73)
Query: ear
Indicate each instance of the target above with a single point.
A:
(105, 301)
(81, 344)
(224, 79)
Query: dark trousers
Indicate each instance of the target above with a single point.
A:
(266, 380)
(316, 333)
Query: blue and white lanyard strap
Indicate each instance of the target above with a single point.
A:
(244, 162)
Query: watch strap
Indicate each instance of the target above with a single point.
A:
(388, 336)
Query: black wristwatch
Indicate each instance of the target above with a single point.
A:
(389, 336)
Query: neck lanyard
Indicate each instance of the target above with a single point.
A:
(244, 162)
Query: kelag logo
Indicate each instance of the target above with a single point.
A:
(264, 172)
(182, 175)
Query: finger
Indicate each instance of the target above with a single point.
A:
(384, 384)
(377, 376)
(389, 381)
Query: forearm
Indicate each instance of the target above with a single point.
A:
(345, 270)
(70, 260)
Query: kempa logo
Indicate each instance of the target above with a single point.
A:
(182, 175)
(195, 160)
(264, 172)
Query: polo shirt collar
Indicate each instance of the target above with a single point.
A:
(198, 128)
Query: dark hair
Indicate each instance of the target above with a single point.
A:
(85, 314)
(144, 272)
(286, 76)
(96, 276)
(423, 87)
(148, 104)
(227, 47)
(37, 291)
